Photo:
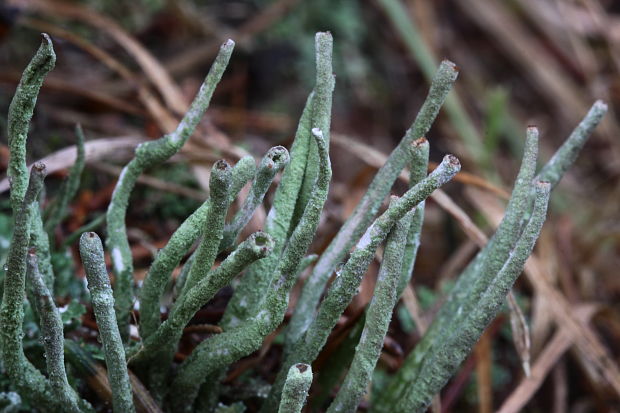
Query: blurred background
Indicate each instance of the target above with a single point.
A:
(127, 70)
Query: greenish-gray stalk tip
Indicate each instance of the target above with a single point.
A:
(296, 388)
(20, 113)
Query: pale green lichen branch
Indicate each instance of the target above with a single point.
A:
(565, 156)
(147, 155)
(53, 340)
(321, 115)
(418, 165)
(20, 113)
(29, 381)
(93, 259)
(254, 284)
(219, 189)
(378, 316)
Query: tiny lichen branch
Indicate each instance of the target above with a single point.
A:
(368, 206)
(149, 154)
(29, 381)
(221, 350)
(93, 259)
(418, 165)
(347, 282)
(53, 339)
(219, 190)
(378, 316)
(296, 388)
(20, 113)
(445, 358)
(69, 187)
(179, 244)
(479, 272)
(272, 163)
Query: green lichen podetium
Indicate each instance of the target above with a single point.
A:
(369, 204)
(102, 298)
(418, 165)
(348, 280)
(298, 381)
(179, 244)
(378, 316)
(41, 242)
(20, 113)
(147, 155)
(320, 116)
(53, 340)
(30, 383)
(204, 257)
(223, 349)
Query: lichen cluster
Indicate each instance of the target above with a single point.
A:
(271, 262)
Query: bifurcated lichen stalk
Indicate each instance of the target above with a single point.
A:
(347, 282)
(20, 113)
(53, 339)
(369, 204)
(149, 154)
(298, 381)
(378, 316)
(91, 252)
(221, 350)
